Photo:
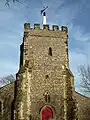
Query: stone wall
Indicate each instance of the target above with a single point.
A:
(44, 72)
(43, 80)
(83, 106)
(6, 98)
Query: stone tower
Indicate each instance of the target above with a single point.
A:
(44, 85)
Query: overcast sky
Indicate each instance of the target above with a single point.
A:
(75, 14)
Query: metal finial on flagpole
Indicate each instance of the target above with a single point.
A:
(44, 15)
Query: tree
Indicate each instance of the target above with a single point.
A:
(85, 77)
(7, 3)
(7, 79)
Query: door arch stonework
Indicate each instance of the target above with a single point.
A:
(46, 113)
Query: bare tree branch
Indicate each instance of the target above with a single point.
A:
(18, 1)
(85, 77)
(7, 3)
(8, 79)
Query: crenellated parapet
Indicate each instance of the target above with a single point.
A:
(45, 27)
(46, 31)
(44, 82)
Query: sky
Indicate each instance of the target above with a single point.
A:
(75, 14)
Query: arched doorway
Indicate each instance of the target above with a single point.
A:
(46, 113)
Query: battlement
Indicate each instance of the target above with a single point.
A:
(45, 27)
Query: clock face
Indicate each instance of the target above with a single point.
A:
(47, 113)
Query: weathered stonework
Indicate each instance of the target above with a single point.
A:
(31, 82)
(44, 81)
(7, 94)
(6, 98)
(83, 105)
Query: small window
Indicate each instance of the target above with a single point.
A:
(50, 51)
(47, 97)
(46, 76)
(1, 107)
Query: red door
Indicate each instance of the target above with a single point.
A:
(47, 113)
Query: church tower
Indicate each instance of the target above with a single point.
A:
(44, 85)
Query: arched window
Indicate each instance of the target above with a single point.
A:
(47, 97)
(50, 51)
(1, 107)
